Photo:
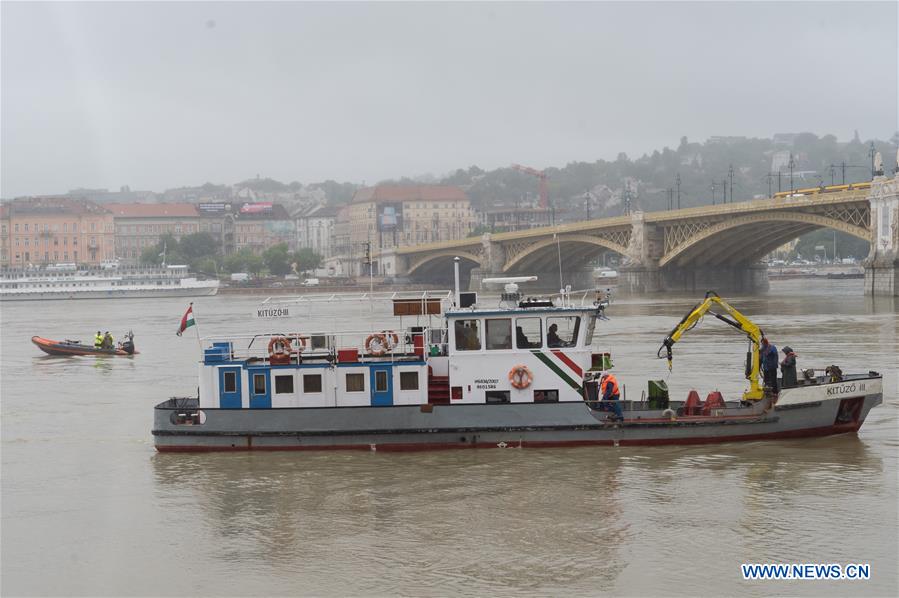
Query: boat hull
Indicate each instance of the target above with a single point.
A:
(109, 294)
(180, 425)
(65, 349)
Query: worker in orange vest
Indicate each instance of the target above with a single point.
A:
(608, 386)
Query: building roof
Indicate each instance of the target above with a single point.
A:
(398, 193)
(52, 206)
(153, 210)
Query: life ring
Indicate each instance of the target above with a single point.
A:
(520, 376)
(279, 346)
(297, 343)
(376, 344)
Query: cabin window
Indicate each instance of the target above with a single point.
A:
(312, 383)
(498, 396)
(528, 333)
(562, 331)
(408, 380)
(355, 382)
(258, 384)
(499, 333)
(380, 381)
(588, 334)
(546, 396)
(284, 385)
(230, 381)
(468, 336)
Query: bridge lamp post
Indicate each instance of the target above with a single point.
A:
(792, 165)
(713, 192)
(677, 184)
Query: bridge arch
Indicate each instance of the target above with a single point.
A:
(748, 238)
(576, 250)
(441, 263)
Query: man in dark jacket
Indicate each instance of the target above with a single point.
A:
(768, 356)
(788, 368)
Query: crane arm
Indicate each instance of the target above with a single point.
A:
(736, 320)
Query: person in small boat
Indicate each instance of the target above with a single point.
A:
(552, 336)
(108, 343)
(98, 341)
(608, 386)
(768, 356)
(788, 368)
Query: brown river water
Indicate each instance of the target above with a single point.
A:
(89, 508)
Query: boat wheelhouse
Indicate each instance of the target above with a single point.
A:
(521, 373)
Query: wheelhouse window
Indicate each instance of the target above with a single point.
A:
(408, 380)
(528, 333)
(284, 384)
(499, 333)
(312, 383)
(355, 382)
(588, 334)
(468, 336)
(259, 386)
(230, 381)
(562, 331)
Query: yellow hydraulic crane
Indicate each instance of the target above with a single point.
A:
(740, 322)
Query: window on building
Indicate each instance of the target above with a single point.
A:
(546, 396)
(284, 384)
(468, 337)
(93, 227)
(562, 331)
(528, 333)
(408, 380)
(312, 383)
(259, 384)
(499, 333)
(355, 382)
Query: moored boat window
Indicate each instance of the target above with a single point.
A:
(546, 396)
(259, 384)
(498, 396)
(230, 381)
(381, 381)
(408, 380)
(312, 383)
(355, 382)
(468, 336)
(284, 384)
(499, 333)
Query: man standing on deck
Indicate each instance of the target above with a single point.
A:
(768, 356)
(788, 368)
(608, 386)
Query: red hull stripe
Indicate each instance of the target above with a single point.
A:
(567, 361)
(426, 446)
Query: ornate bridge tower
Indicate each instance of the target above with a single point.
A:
(882, 263)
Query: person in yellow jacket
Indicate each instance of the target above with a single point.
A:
(98, 341)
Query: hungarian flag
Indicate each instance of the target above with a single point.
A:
(187, 321)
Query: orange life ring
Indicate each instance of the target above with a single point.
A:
(520, 376)
(380, 348)
(300, 345)
(279, 346)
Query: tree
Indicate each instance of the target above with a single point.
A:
(277, 259)
(198, 245)
(306, 259)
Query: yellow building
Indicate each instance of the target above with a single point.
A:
(51, 230)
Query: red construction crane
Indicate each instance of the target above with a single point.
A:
(544, 196)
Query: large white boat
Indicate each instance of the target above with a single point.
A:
(65, 281)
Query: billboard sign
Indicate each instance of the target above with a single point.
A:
(256, 208)
(217, 207)
(390, 218)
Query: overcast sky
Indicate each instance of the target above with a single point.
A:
(158, 95)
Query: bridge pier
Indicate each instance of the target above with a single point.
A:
(882, 263)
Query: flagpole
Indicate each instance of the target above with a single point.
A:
(197, 326)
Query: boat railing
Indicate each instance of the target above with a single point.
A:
(381, 297)
(343, 347)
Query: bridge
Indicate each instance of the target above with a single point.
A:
(676, 250)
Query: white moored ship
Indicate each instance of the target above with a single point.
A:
(66, 281)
